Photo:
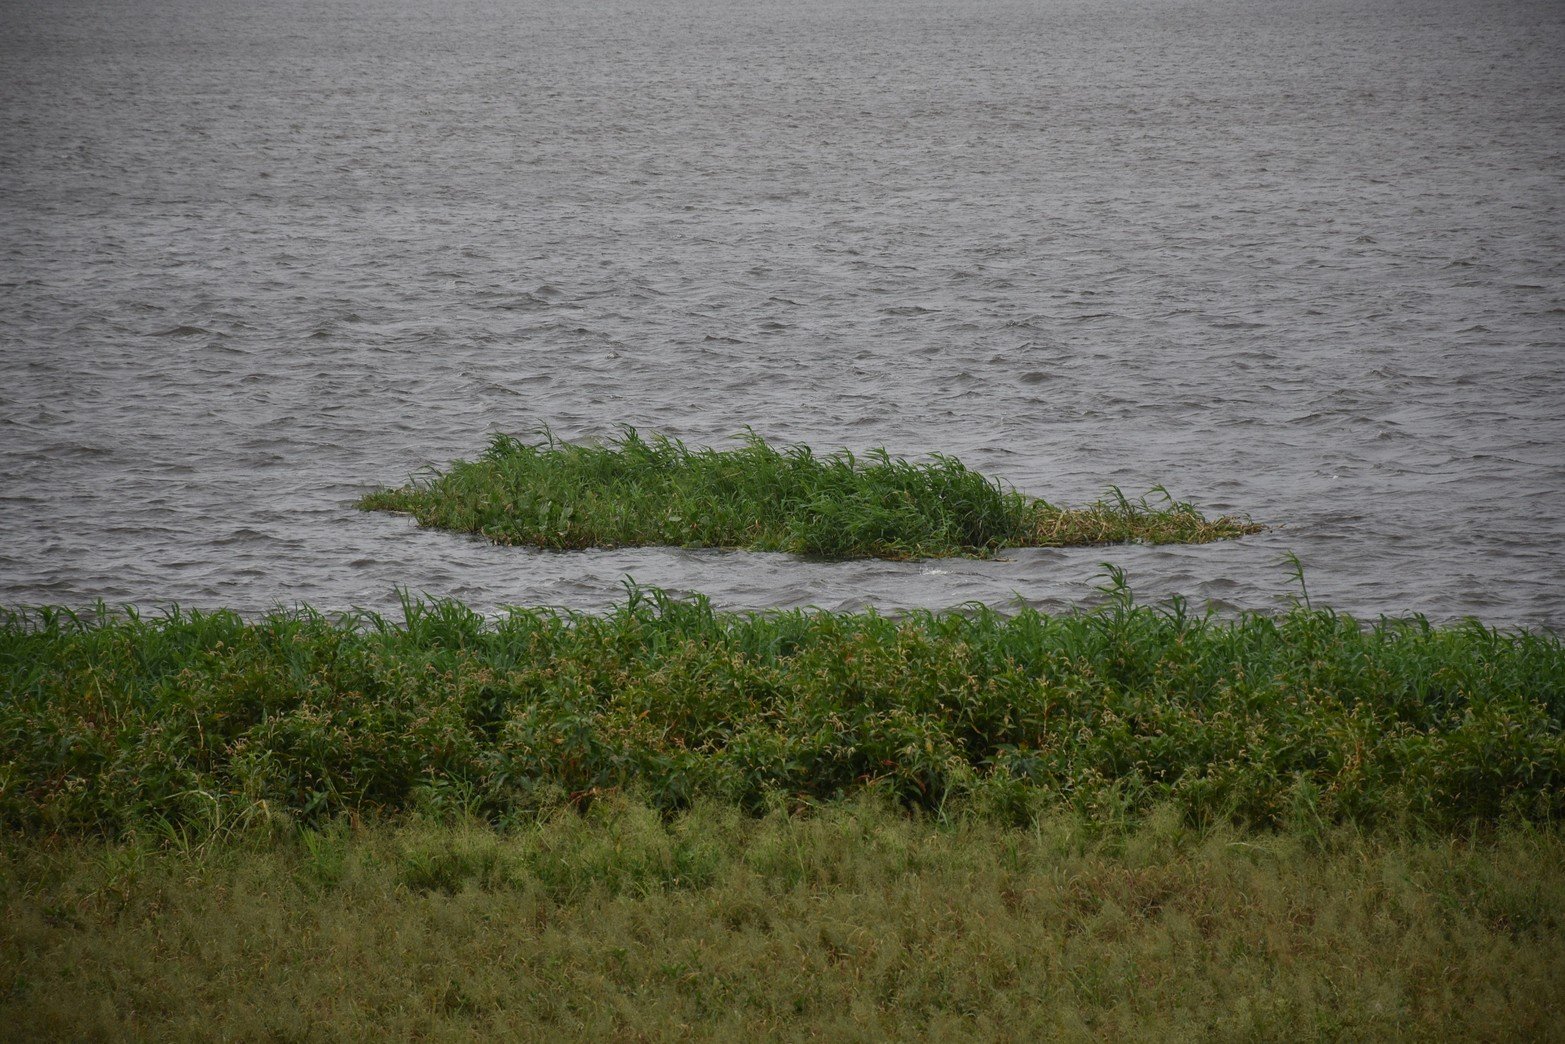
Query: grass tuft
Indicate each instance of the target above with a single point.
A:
(637, 491)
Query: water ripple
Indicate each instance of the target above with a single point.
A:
(1304, 263)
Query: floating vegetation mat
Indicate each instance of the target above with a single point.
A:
(637, 492)
(1302, 719)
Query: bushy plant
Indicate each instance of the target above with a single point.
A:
(635, 491)
(109, 721)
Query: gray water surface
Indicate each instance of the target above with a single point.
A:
(1298, 260)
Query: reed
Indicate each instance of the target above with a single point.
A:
(199, 721)
(635, 491)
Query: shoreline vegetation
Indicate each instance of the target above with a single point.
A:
(113, 722)
(666, 822)
(635, 491)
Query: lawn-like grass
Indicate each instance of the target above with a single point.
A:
(634, 491)
(1304, 719)
(856, 922)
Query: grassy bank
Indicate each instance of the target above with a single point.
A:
(856, 923)
(198, 721)
(665, 822)
(633, 492)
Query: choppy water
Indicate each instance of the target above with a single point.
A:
(1300, 260)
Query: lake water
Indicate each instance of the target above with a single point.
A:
(1301, 260)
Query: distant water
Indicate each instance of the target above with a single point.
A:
(1300, 260)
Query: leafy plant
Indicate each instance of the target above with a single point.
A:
(195, 722)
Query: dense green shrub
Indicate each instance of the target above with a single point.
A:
(107, 721)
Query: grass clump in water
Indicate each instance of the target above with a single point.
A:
(635, 492)
(1306, 719)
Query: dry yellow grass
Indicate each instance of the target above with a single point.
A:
(857, 923)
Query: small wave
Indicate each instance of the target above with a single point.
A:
(525, 302)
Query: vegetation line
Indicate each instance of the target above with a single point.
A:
(198, 720)
(635, 491)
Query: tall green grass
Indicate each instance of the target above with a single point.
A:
(635, 491)
(195, 720)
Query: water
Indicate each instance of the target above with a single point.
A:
(1302, 261)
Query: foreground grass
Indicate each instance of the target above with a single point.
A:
(194, 720)
(855, 923)
(635, 492)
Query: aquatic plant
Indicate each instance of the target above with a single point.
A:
(635, 491)
(111, 721)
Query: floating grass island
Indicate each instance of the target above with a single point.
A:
(635, 492)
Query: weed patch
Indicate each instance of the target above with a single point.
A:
(635, 491)
(192, 724)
